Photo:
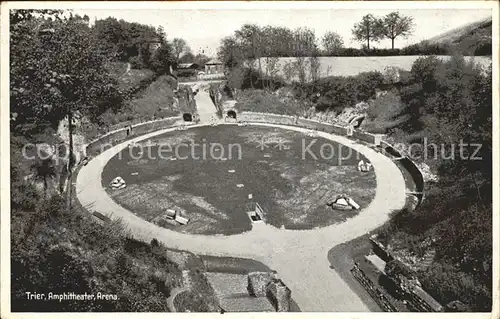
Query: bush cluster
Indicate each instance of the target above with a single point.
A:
(57, 251)
(339, 92)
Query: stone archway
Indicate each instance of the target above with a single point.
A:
(187, 117)
(231, 114)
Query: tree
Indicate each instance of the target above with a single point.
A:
(251, 40)
(305, 42)
(314, 68)
(272, 68)
(123, 41)
(300, 66)
(201, 59)
(179, 46)
(56, 70)
(187, 57)
(162, 59)
(289, 71)
(368, 29)
(332, 42)
(231, 53)
(44, 170)
(394, 25)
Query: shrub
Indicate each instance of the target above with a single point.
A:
(484, 48)
(385, 113)
(423, 70)
(367, 83)
(425, 48)
(449, 102)
(339, 92)
(236, 77)
(136, 62)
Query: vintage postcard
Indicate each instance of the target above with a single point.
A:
(249, 157)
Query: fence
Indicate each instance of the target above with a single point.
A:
(215, 76)
(377, 295)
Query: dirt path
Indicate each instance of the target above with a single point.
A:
(206, 108)
(299, 256)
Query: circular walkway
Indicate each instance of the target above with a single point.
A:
(299, 256)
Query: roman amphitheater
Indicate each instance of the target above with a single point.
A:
(297, 230)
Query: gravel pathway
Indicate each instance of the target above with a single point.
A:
(299, 256)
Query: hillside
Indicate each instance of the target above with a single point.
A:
(426, 112)
(472, 38)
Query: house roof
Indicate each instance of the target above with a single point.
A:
(213, 61)
(187, 66)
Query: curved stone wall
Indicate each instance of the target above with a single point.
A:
(410, 166)
(112, 138)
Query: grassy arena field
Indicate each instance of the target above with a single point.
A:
(292, 176)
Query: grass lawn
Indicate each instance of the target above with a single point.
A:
(212, 187)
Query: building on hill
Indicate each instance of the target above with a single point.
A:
(214, 66)
(186, 69)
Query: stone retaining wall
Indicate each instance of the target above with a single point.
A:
(310, 124)
(117, 136)
(410, 166)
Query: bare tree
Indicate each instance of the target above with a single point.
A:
(289, 71)
(314, 68)
(180, 47)
(394, 25)
(272, 68)
(300, 66)
(328, 70)
(368, 29)
(332, 42)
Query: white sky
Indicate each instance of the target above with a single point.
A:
(203, 29)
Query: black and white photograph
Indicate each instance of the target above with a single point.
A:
(222, 157)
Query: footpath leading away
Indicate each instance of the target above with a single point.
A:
(299, 256)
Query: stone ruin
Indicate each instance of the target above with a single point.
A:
(343, 202)
(267, 284)
(279, 295)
